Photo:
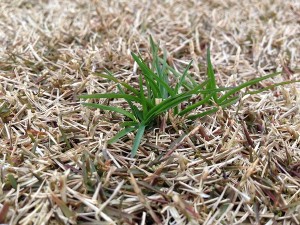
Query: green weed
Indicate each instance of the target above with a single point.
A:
(155, 95)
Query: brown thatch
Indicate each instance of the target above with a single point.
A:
(238, 166)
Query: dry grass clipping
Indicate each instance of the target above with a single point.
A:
(239, 166)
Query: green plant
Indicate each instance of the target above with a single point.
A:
(155, 95)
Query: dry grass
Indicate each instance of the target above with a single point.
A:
(239, 166)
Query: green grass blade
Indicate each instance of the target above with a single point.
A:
(111, 108)
(193, 106)
(111, 95)
(206, 100)
(244, 85)
(151, 95)
(143, 98)
(136, 112)
(155, 63)
(208, 112)
(187, 85)
(12, 181)
(182, 78)
(202, 85)
(199, 90)
(154, 50)
(164, 74)
(165, 105)
(121, 134)
(211, 91)
(129, 124)
(112, 78)
(164, 62)
(229, 102)
(151, 76)
(137, 139)
(272, 86)
(215, 109)
(211, 76)
(152, 87)
(160, 70)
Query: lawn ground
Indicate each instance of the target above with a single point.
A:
(240, 165)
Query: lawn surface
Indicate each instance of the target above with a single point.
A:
(240, 165)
